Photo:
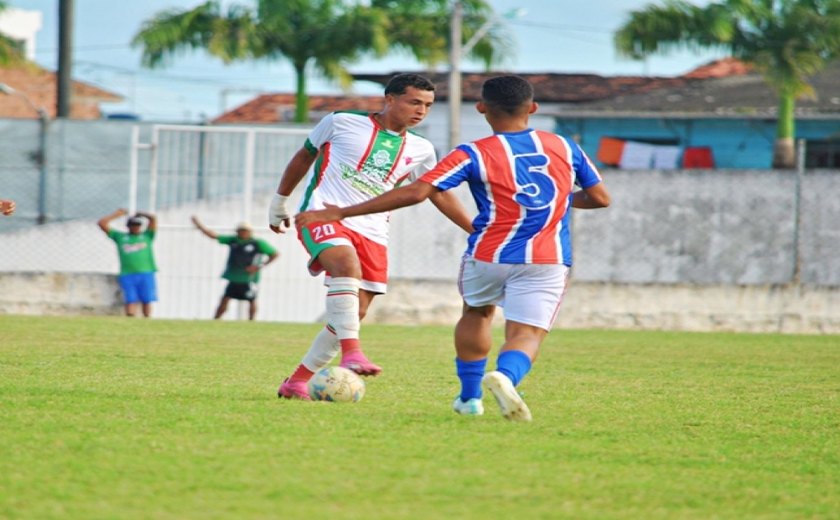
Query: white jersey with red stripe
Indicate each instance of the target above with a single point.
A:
(357, 160)
(522, 184)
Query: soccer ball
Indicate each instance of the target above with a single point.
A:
(336, 384)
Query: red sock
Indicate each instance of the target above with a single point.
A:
(350, 345)
(301, 374)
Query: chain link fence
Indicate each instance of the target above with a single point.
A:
(705, 227)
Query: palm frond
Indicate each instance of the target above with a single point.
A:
(11, 51)
(329, 34)
(175, 31)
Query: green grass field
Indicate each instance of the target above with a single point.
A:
(123, 419)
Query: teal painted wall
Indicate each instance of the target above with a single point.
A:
(735, 143)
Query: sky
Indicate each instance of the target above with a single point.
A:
(549, 37)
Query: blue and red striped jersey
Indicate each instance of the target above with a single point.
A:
(522, 184)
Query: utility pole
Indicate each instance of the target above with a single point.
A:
(457, 50)
(455, 74)
(65, 58)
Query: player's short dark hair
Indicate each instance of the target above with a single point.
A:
(399, 83)
(507, 93)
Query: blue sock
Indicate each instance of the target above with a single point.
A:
(470, 374)
(514, 364)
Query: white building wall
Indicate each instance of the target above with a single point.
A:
(22, 25)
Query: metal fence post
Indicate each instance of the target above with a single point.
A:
(43, 129)
(797, 212)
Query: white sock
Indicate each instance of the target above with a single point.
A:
(343, 307)
(324, 348)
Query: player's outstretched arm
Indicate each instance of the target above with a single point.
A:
(447, 203)
(593, 197)
(414, 193)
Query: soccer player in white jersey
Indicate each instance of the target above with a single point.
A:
(357, 156)
(520, 251)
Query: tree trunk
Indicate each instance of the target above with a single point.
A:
(784, 155)
(301, 99)
(783, 149)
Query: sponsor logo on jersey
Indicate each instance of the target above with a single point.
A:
(362, 182)
(382, 158)
(371, 177)
(133, 248)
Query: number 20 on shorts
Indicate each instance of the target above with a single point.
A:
(323, 231)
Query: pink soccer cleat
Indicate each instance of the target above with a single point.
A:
(358, 363)
(294, 390)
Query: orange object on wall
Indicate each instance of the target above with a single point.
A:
(610, 150)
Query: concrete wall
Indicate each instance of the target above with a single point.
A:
(59, 294)
(769, 309)
(732, 308)
(742, 227)
(713, 227)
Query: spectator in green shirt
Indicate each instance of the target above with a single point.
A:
(137, 261)
(246, 259)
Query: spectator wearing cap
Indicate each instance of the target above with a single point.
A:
(248, 255)
(137, 260)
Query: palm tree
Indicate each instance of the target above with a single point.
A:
(787, 41)
(329, 34)
(326, 33)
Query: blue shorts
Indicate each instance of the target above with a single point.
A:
(138, 287)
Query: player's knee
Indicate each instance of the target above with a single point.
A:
(485, 311)
(341, 262)
(347, 270)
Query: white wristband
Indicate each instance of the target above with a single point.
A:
(278, 210)
(280, 199)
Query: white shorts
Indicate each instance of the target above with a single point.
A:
(530, 293)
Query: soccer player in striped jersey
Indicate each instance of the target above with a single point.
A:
(356, 156)
(520, 251)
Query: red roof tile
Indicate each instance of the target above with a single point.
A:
(279, 108)
(549, 87)
(39, 86)
(720, 69)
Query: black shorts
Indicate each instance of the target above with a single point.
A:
(241, 291)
